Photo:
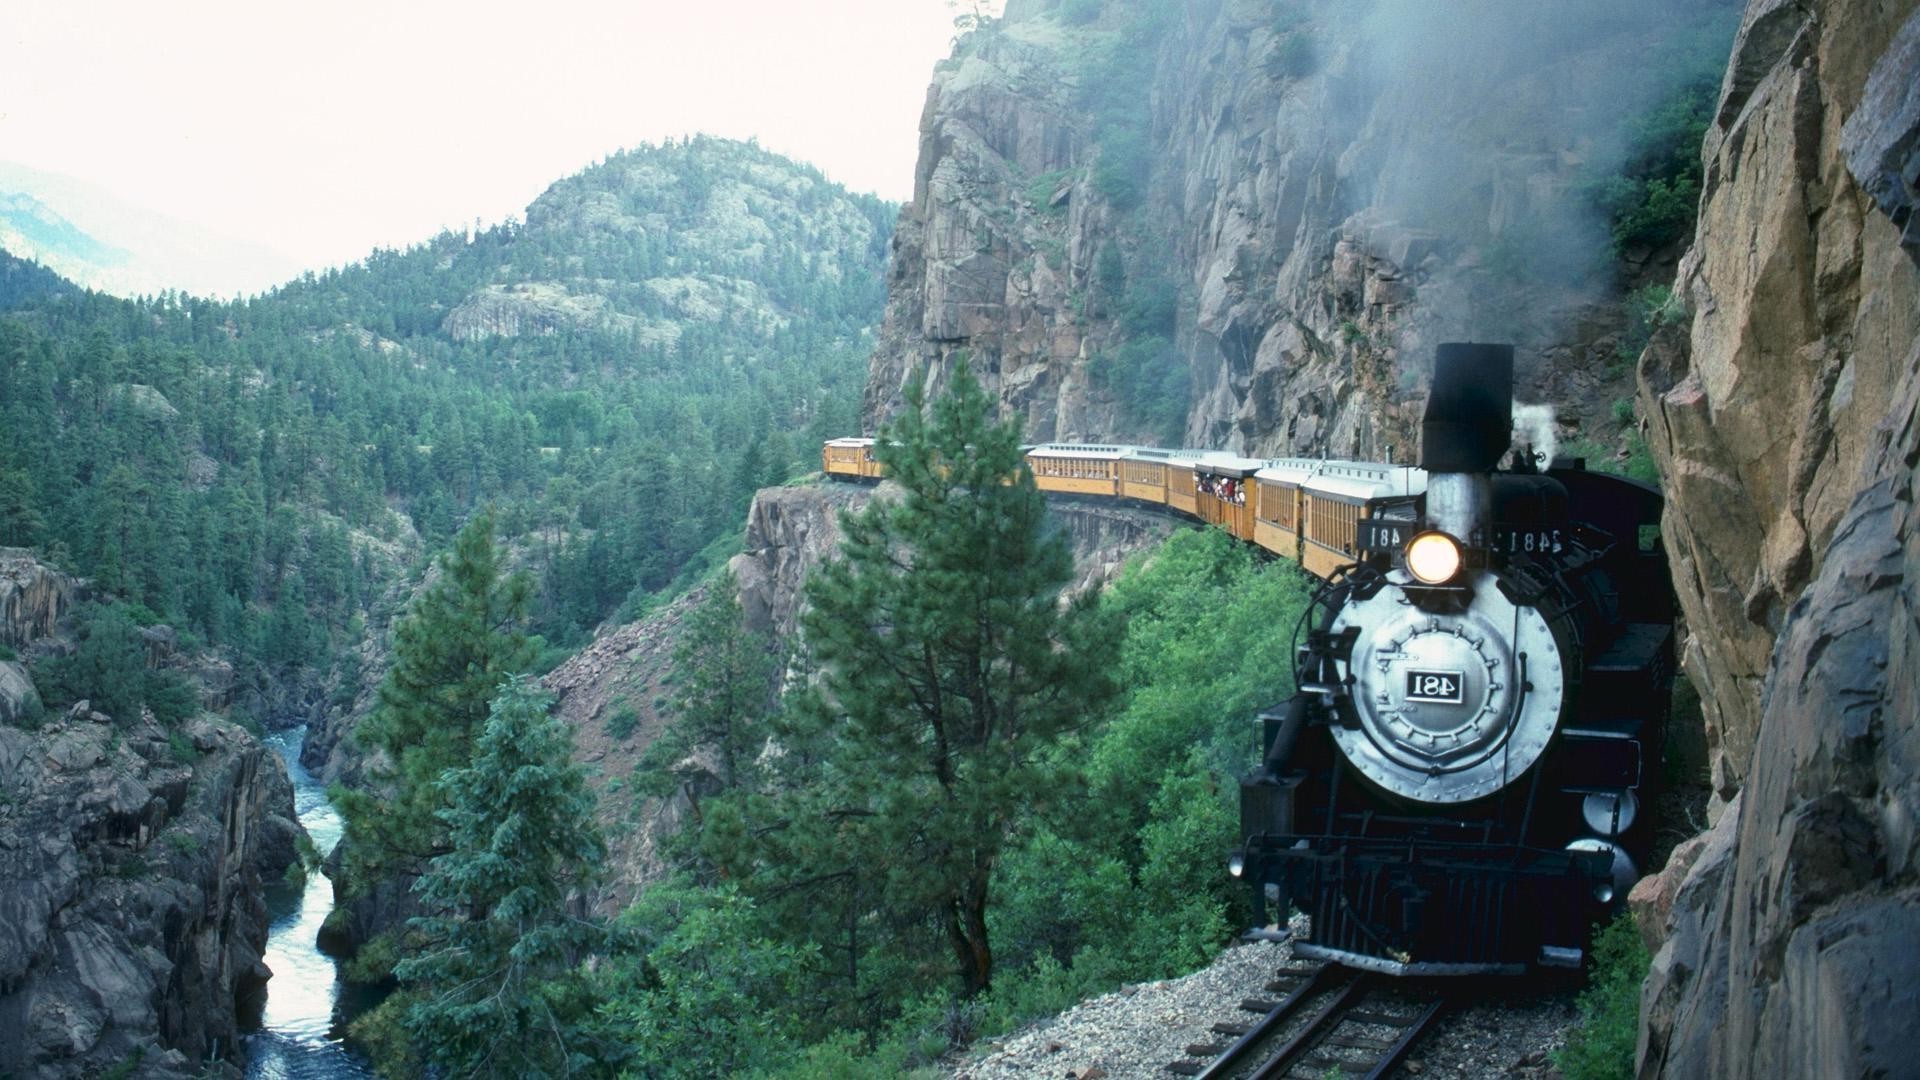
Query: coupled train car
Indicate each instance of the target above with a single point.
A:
(1458, 784)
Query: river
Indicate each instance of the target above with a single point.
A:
(300, 1027)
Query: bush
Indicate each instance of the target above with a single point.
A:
(1601, 1048)
(109, 669)
(1652, 200)
(620, 725)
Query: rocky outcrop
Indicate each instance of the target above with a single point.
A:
(1315, 217)
(1805, 309)
(33, 597)
(1789, 432)
(19, 699)
(131, 919)
(790, 530)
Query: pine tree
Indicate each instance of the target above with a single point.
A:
(463, 638)
(949, 670)
(523, 850)
(723, 692)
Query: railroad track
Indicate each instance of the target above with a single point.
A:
(1322, 1018)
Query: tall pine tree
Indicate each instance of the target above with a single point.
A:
(949, 671)
(508, 900)
(464, 636)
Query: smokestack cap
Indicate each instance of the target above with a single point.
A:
(1469, 420)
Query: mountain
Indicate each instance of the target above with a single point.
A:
(667, 332)
(107, 243)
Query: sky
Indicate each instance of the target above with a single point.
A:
(327, 129)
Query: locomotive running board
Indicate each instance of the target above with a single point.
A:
(1363, 962)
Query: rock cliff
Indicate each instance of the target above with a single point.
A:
(33, 598)
(131, 863)
(1787, 424)
(1305, 218)
(131, 919)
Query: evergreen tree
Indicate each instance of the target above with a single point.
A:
(20, 520)
(463, 638)
(949, 670)
(723, 693)
(510, 898)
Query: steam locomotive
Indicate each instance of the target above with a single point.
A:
(1458, 785)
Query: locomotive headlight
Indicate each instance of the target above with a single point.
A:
(1433, 558)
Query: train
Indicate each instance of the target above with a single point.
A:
(1459, 784)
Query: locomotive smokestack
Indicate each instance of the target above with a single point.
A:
(1469, 420)
(1466, 431)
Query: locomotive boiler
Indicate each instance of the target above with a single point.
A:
(1459, 784)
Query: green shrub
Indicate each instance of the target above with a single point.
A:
(1042, 188)
(184, 843)
(7, 654)
(1601, 1048)
(1651, 201)
(621, 723)
(1648, 309)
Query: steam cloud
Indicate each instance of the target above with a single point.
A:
(1534, 427)
(1498, 114)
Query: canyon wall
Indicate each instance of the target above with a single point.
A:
(131, 865)
(1787, 425)
(1328, 191)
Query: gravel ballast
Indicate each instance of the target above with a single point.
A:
(1135, 1032)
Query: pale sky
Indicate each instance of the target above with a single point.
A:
(325, 128)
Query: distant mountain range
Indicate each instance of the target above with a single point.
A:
(103, 242)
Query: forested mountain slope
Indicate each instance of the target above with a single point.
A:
(618, 374)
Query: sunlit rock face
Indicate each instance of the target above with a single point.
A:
(1788, 428)
(1328, 192)
(1804, 314)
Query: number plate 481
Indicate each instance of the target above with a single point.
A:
(1446, 687)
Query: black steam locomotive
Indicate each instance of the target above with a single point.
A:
(1459, 785)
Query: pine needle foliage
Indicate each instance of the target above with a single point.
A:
(464, 637)
(948, 669)
(483, 998)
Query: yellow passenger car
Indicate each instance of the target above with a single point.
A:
(1276, 521)
(1143, 475)
(1182, 488)
(1076, 469)
(850, 459)
(1223, 492)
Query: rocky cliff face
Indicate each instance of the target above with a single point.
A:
(1788, 428)
(33, 597)
(131, 920)
(1313, 217)
(131, 862)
